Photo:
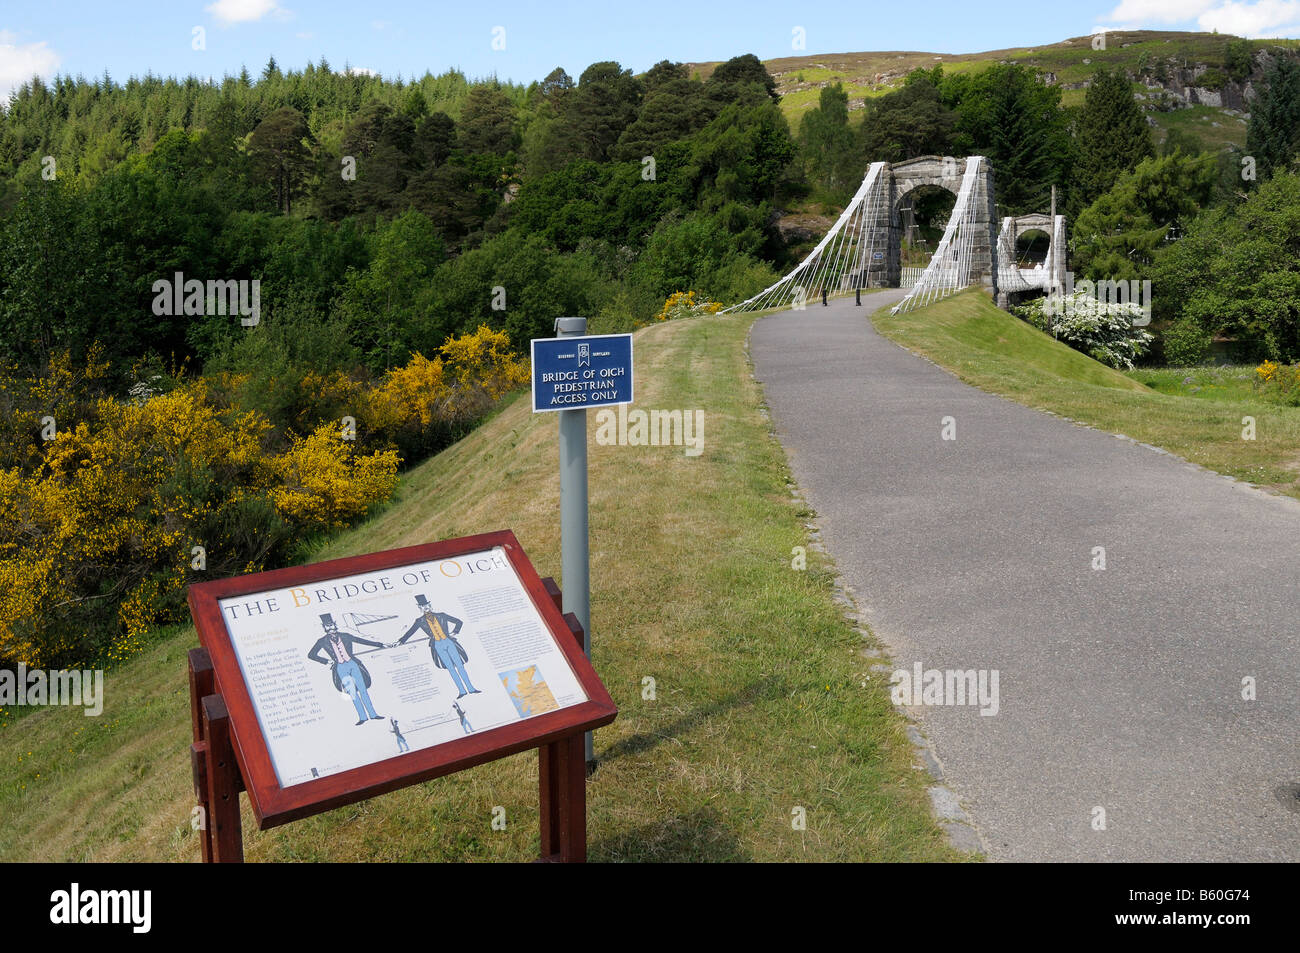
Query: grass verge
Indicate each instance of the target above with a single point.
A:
(762, 703)
(986, 347)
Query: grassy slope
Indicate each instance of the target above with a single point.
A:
(763, 700)
(869, 74)
(989, 348)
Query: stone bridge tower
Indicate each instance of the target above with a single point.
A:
(945, 172)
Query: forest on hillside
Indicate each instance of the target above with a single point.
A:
(408, 238)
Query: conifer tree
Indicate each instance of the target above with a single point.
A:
(1273, 136)
(1112, 136)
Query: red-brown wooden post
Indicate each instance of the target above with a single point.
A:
(198, 766)
(575, 628)
(553, 591)
(562, 778)
(202, 684)
(548, 800)
(571, 772)
(223, 789)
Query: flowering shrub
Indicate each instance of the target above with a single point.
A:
(1105, 332)
(481, 362)
(321, 482)
(1280, 382)
(686, 304)
(428, 402)
(419, 391)
(469, 373)
(99, 524)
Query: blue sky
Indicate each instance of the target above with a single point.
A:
(135, 36)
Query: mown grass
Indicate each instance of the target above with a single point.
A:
(992, 350)
(763, 702)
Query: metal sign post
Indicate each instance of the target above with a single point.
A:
(572, 372)
(575, 559)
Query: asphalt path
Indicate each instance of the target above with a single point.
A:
(1119, 689)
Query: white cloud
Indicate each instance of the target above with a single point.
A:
(363, 71)
(1262, 18)
(1159, 11)
(241, 11)
(20, 62)
(1240, 17)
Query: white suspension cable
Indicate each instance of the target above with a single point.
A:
(823, 260)
(949, 269)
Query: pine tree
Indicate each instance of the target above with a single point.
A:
(1007, 114)
(279, 154)
(1273, 136)
(827, 142)
(1112, 136)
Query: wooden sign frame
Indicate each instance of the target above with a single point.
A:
(229, 741)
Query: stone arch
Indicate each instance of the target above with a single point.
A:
(1036, 222)
(905, 205)
(1056, 251)
(1032, 246)
(947, 173)
(944, 172)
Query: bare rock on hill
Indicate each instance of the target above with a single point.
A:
(802, 227)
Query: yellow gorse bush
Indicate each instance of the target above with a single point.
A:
(483, 360)
(98, 526)
(468, 373)
(323, 483)
(1279, 382)
(418, 389)
(686, 304)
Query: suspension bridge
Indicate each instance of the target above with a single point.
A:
(863, 248)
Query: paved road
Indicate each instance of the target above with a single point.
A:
(1118, 688)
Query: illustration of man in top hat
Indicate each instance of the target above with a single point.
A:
(447, 652)
(349, 674)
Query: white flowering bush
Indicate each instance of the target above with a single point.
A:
(1105, 332)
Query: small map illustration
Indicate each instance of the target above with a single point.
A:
(528, 691)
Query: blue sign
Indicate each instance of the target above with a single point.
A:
(577, 373)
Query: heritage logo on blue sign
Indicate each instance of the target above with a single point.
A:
(575, 373)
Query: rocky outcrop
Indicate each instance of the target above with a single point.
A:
(1175, 83)
(801, 227)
